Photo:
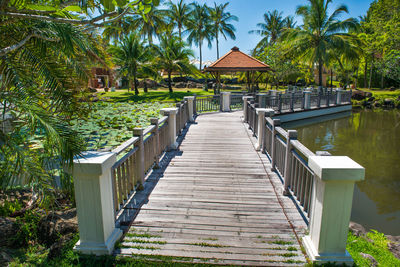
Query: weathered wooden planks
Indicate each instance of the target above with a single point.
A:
(215, 203)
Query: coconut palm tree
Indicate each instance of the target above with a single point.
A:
(199, 27)
(320, 33)
(178, 14)
(133, 57)
(271, 29)
(171, 55)
(40, 79)
(220, 20)
(150, 24)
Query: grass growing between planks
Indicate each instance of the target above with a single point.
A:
(35, 257)
(377, 247)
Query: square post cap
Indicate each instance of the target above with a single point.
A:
(167, 111)
(189, 97)
(247, 97)
(225, 93)
(267, 111)
(336, 168)
(94, 162)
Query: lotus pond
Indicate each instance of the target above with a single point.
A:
(110, 124)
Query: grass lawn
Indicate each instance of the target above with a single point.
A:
(153, 95)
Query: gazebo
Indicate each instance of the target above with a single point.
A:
(237, 61)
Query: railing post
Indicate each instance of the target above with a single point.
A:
(292, 135)
(171, 113)
(245, 107)
(276, 123)
(190, 101)
(262, 100)
(178, 116)
(291, 102)
(319, 99)
(140, 160)
(338, 96)
(94, 203)
(331, 207)
(307, 99)
(194, 104)
(226, 101)
(261, 113)
(327, 98)
(303, 100)
(279, 102)
(255, 119)
(156, 132)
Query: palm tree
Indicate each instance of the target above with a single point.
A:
(221, 24)
(178, 14)
(149, 24)
(320, 33)
(199, 27)
(133, 57)
(115, 31)
(271, 29)
(172, 55)
(39, 84)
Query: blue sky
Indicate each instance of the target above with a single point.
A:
(250, 12)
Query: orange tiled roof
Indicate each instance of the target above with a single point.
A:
(235, 60)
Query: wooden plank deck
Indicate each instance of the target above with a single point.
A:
(218, 202)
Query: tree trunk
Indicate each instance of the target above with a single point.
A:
(200, 54)
(145, 86)
(331, 78)
(356, 79)
(180, 32)
(370, 74)
(136, 86)
(216, 38)
(365, 72)
(169, 82)
(382, 81)
(320, 72)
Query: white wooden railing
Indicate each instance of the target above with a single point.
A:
(105, 182)
(320, 185)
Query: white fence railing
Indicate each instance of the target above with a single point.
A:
(321, 186)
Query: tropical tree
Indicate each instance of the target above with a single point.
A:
(220, 20)
(133, 57)
(38, 98)
(320, 33)
(271, 29)
(150, 24)
(178, 14)
(199, 27)
(172, 55)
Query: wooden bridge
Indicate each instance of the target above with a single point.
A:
(227, 188)
(216, 203)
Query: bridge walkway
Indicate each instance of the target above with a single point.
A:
(217, 202)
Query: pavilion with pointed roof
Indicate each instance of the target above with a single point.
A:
(237, 61)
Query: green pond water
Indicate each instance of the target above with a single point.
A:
(372, 139)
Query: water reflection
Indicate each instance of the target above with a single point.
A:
(372, 138)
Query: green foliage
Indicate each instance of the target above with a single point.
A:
(9, 207)
(171, 55)
(27, 228)
(377, 248)
(133, 58)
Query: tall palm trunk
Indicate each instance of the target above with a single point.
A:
(365, 72)
(200, 55)
(180, 32)
(169, 82)
(216, 38)
(135, 83)
(320, 72)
